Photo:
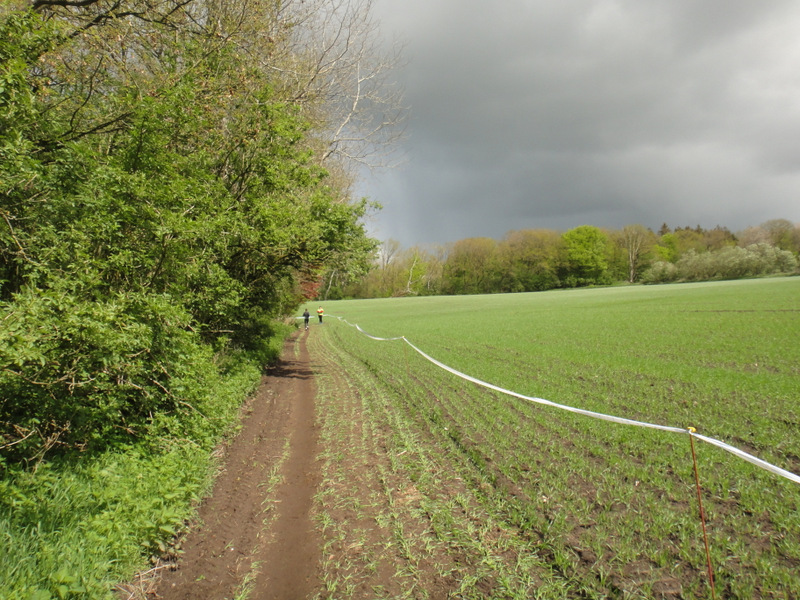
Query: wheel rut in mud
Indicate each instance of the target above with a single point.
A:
(249, 533)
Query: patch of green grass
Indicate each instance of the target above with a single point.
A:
(74, 530)
(610, 509)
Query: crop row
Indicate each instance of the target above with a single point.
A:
(602, 510)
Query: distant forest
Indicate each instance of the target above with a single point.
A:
(541, 259)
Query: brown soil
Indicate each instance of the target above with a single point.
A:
(244, 535)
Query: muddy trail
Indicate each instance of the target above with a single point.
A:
(310, 501)
(253, 535)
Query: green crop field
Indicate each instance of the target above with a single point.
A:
(539, 502)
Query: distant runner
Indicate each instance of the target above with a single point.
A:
(319, 313)
(306, 317)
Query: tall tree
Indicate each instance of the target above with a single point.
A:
(469, 268)
(528, 260)
(586, 249)
(781, 233)
(718, 238)
(637, 241)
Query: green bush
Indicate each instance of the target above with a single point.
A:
(731, 262)
(735, 262)
(660, 272)
(81, 374)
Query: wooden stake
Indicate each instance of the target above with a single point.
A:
(692, 430)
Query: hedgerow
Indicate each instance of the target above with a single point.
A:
(731, 262)
(162, 197)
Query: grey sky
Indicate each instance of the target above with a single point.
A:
(558, 113)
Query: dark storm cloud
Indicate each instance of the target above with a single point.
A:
(556, 114)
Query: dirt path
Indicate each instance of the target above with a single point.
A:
(247, 535)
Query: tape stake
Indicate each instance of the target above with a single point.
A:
(692, 431)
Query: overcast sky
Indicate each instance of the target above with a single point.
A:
(558, 113)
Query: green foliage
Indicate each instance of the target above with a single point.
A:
(73, 530)
(468, 270)
(161, 194)
(660, 272)
(730, 262)
(530, 261)
(145, 227)
(80, 523)
(24, 38)
(587, 250)
(78, 373)
(539, 259)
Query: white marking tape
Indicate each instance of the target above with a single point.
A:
(749, 458)
(728, 448)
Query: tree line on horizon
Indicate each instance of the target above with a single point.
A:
(542, 259)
